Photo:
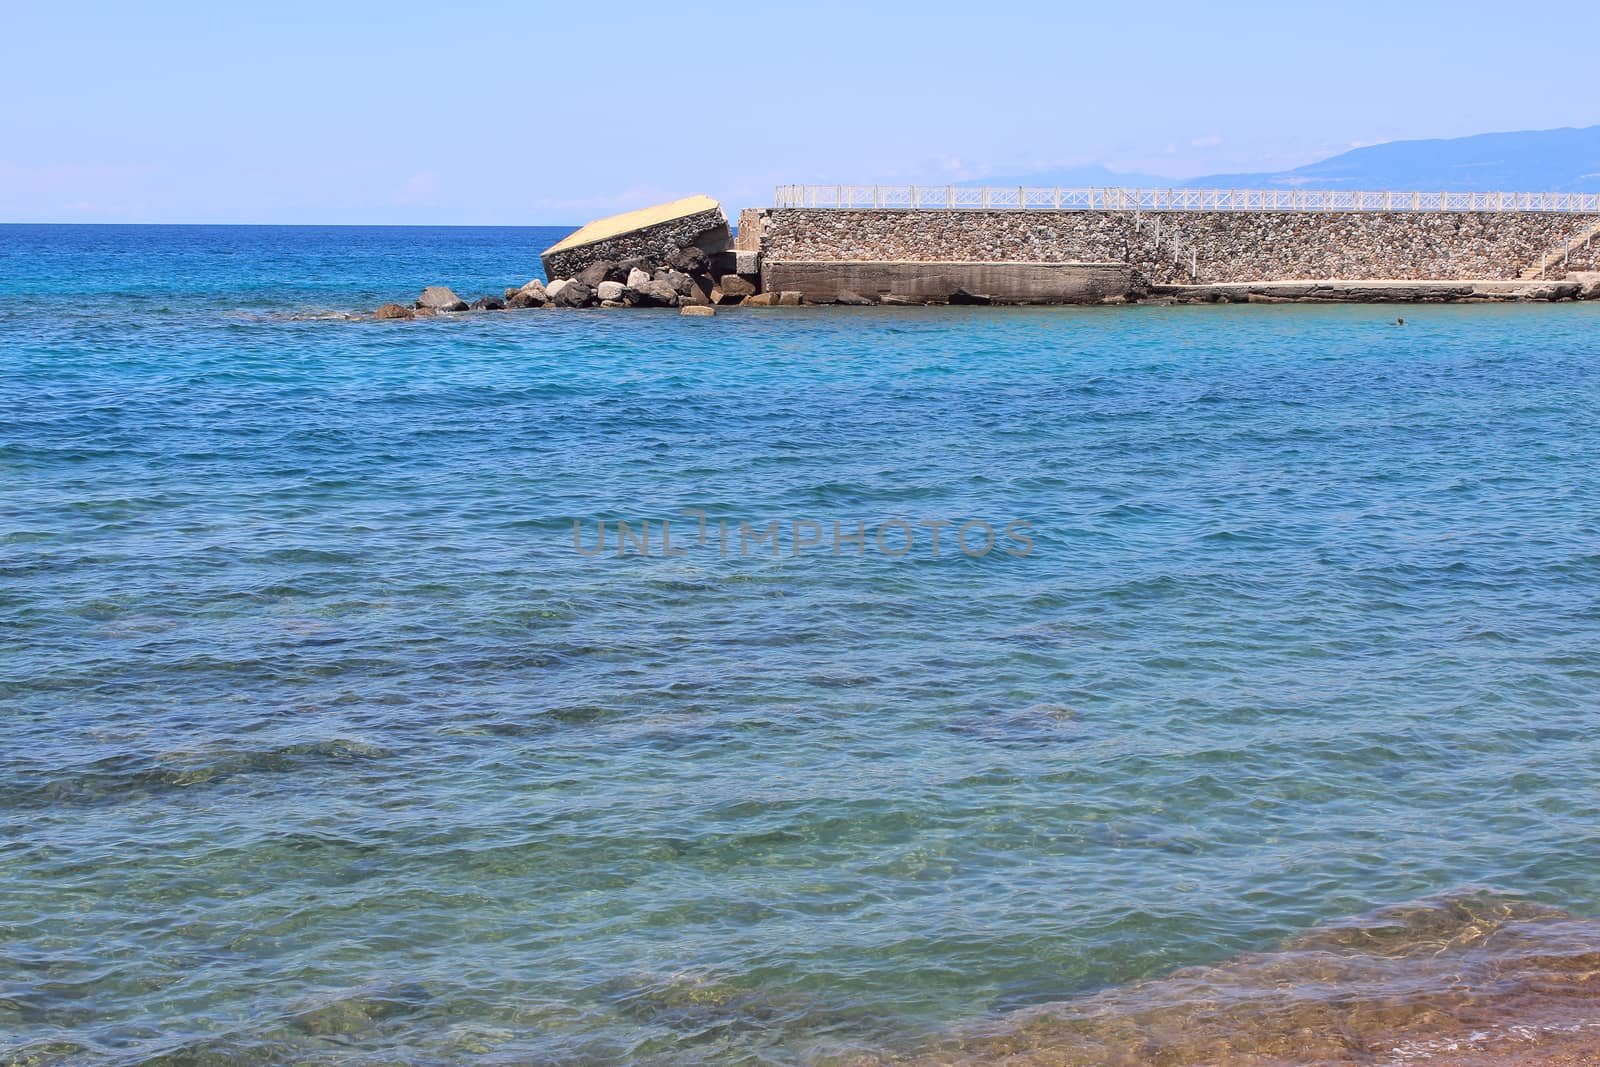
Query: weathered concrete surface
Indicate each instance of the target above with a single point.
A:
(1370, 291)
(653, 232)
(1007, 283)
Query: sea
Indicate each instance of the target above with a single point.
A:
(1100, 685)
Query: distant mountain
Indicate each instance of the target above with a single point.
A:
(1541, 161)
(1537, 161)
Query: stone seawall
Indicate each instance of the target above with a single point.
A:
(1179, 247)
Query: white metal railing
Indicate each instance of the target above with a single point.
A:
(1019, 197)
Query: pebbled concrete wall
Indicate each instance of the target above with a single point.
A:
(706, 229)
(1166, 248)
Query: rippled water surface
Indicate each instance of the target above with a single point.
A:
(321, 742)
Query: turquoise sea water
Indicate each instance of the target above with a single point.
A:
(322, 743)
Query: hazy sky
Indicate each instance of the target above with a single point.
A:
(557, 111)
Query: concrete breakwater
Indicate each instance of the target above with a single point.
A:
(684, 254)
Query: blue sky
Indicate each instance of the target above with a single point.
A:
(547, 113)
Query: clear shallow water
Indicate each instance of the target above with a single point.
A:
(322, 743)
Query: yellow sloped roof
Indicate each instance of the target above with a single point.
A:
(601, 229)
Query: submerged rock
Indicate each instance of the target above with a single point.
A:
(1469, 979)
(698, 310)
(394, 311)
(360, 1011)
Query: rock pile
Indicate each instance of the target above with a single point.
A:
(685, 277)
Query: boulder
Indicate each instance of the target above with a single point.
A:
(760, 300)
(609, 291)
(488, 303)
(636, 277)
(698, 309)
(1588, 283)
(524, 300)
(536, 290)
(633, 263)
(656, 294)
(612, 304)
(735, 288)
(440, 298)
(699, 290)
(679, 281)
(790, 299)
(596, 272)
(900, 300)
(574, 294)
(511, 291)
(690, 260)
(554, 288)
(852, 299)
(424, 313)
(394, 311)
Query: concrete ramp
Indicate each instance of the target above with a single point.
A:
(653, 233)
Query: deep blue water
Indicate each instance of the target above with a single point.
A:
(321, 742)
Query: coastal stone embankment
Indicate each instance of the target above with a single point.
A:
(682, 255)
(673, 255)
(1187, 247)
